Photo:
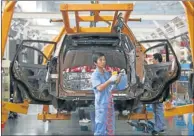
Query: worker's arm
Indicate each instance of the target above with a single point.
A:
(97, 84)
(118, 79)
(103, 86)
(113, 79)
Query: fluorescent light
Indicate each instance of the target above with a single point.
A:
(52, 32)
(45, 22)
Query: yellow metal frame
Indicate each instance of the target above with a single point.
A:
(46, 116)
(6, 22)
(189, 9)
(14, 107)
(96, 8)
(179, 110)
(57, 116)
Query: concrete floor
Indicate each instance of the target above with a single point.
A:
(29, 125)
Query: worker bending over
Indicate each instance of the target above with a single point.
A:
(103, 83)
(158, 107)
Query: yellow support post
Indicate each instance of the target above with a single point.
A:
(46, 116)
(189, 9)
(57, 116)
(4, 114)
(6, 22)
(14, 107)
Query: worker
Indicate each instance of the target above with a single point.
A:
(102, 83)
(158, 107)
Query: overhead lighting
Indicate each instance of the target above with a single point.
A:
(153, 35)
(45, 22)
(27, 6)
(160, 32)
(168, 28)
(52, 32)
(178, 22)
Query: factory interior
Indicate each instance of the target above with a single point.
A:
(97, 67)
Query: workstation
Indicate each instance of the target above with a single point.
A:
(97, 67)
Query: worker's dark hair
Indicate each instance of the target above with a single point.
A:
(158, 57)
(96, 56)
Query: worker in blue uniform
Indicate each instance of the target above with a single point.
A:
(158, 107)
(103, 83)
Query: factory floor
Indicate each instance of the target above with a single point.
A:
(29, 125)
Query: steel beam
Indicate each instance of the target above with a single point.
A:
(135, 29)
(96, 7)
(50, 15)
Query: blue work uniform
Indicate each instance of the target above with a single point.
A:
(102, 103)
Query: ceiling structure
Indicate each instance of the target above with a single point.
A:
(154, 14)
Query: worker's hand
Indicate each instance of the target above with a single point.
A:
(118, 78)
(122, 72)
(113, 78)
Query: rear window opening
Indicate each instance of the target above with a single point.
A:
(83, 57)
(77, 66)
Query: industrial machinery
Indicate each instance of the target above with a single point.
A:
(48, 80)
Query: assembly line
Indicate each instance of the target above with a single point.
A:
(102, 75)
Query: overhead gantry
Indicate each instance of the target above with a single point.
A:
(66, 29)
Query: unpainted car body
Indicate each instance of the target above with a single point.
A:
(65, 90)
